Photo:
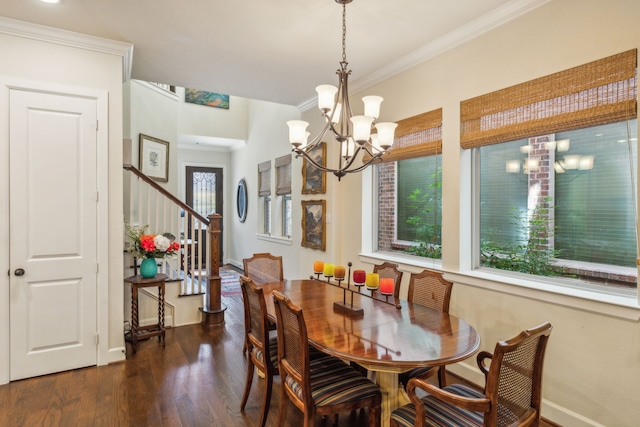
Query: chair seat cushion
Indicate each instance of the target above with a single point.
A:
(334, 382)
(273, 352)
(440, 413)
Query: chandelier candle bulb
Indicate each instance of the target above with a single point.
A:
(328, 270)
(326, 97)
(318, 266)
(339, 272)
(373, 281)
(297, 132)
(386, 131)
(386, 286)
(372, 106)
(361, 128)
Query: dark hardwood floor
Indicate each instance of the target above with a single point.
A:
(196, 380)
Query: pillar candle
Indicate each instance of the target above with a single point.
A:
(359, 277)
(318, 267)
(339, 271)
(373, 280)
(328, 270)
(386, 286)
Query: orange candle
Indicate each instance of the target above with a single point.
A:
(328, 270)
(339, 271)
(318, 267)
(373, 281)
(386, 286)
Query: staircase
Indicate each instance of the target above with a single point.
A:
(190, 271)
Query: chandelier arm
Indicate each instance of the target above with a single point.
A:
(318, 138)
(300, 153)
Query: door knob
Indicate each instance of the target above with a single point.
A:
(19, 272)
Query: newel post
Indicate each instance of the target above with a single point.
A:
(213, 310)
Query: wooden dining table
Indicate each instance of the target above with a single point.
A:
(388, 337)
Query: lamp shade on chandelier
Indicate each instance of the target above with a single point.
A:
(353, 133)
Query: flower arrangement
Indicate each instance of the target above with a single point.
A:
(145, 245)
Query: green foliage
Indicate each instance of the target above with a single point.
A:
(532, 254)
(426, 221)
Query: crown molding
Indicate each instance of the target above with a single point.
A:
(473, 29)
(46, 34)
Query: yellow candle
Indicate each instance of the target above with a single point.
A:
(318, 266)
(373, 280)
(328, 270)
(386, 286)
(339, 271)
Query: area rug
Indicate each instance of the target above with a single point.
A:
(230, 280)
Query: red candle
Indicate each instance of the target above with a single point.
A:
(318, 267)
(386, 286)
(359, 277)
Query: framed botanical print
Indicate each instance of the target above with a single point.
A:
(313, 224)
(314, 180)
(154, 158)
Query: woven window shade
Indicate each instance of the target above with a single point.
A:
(599, 92)
(283, 175)
(264, 176)
(416, 136)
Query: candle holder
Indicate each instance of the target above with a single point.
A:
(347, 307)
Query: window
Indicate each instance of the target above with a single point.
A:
(286, 215)
(557, 170)
(283, 189)
(409, 189)
(264, 191)
(267, 215)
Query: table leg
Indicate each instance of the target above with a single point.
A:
(388, 382)
(161, 312)
(134, 317)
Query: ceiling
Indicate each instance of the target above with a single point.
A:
(272, 50)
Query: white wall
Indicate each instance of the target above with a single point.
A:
(592, 371)
(30, 59)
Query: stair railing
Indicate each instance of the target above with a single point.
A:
(148, 203)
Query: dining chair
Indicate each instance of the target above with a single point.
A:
(320, 386)
(430, 289)
(389, 270)
(512, 394)
(262, 349)
(263, 268)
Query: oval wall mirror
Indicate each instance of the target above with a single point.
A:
(241, 200)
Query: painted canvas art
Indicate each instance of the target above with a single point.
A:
(211, 99)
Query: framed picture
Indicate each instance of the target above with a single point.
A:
(154, 158)
(202, 97)
(314, 180)
(313, 226)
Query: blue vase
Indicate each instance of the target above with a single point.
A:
(148, 268)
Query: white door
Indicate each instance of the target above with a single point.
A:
(53, 231)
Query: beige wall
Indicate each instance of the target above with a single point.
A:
(592, 368)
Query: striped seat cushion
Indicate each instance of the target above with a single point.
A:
(442, 414)
(273, 352)
(334, 382)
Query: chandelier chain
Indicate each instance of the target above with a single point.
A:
(344, 33)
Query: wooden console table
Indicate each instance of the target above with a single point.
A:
(140, 332)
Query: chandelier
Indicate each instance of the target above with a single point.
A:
(353, 133)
